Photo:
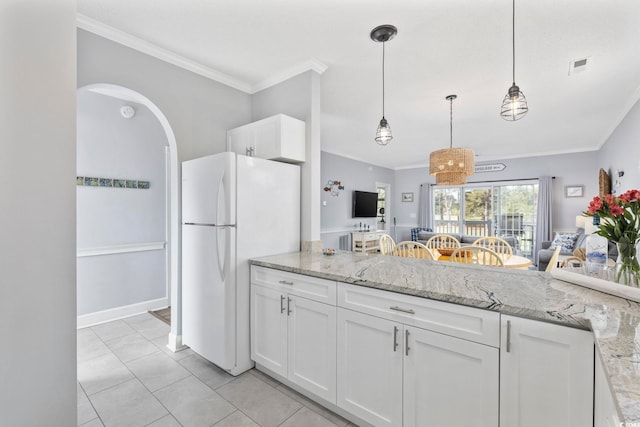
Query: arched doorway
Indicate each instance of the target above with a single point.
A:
(106, 101)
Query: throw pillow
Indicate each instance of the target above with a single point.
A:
(566, 240)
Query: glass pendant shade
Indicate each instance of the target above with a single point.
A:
(514, 105)
(451, 166)
(383, 134)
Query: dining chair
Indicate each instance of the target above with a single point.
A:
(496, 244)
(573, 261)
(477, 255)
(411, 249)
(553, 262)
(442, 241)
(387, 245)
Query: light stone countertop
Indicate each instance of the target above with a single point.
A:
(536, 295)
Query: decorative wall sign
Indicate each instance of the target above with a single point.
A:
(490, 167)
(334, 187)
(87, 181)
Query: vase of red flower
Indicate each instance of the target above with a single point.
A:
(620, 223)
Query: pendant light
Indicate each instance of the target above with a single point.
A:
(383, 34)
(451, 166)
(514, 105)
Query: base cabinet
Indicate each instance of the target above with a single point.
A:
(604, 411)
(392, 374)
(546, 374)
(295, 336)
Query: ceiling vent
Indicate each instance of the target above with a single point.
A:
(579, 65)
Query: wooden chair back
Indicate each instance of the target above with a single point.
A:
(387, 245)
(476, 255)
(442, 241)
(412, 249)
(496, 244)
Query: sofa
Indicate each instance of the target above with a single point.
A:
(421, 235)
(569, 241)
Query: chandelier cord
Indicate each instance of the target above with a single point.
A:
(450, 123)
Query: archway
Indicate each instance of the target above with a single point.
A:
(172, 197)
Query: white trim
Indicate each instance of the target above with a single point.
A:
(303, 67)
(103, 30)
(98, 317)
(110, 33)
(120, 249)
(175, 343)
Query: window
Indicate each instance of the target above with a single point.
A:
(504, 209)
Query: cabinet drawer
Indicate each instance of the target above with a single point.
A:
(473, 324)
(296, 284)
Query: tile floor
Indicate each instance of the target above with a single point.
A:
(127, 377)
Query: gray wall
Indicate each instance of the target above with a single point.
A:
(299, 97)
(354, 175)
(622, 152)
(569, 169)
(37, 255)
(111, 146)
(199, 110)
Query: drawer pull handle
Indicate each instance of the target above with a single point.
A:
(406, 342)
(284, 282)
(404, 310)
(395, 338)
(281, 304)
(508, 336)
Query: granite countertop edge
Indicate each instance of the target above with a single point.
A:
(614, 321)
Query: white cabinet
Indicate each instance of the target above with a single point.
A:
(293, 329)
(278, 137)
(391, 373)
(605, 413)
(370, 367)
(546, 375)
(366, 241)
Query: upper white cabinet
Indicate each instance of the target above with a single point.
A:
(293, 328)
(278, 137)
(546, 374)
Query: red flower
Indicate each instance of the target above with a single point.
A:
(616, 210)
(594, 206)
(630, 196)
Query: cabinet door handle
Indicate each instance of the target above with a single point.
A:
(395, 338)
(284, 282)
(288, 306)
(404, 310)
(406, 342)
(281, 304)
(508, 336)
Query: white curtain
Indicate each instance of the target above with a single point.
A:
(425, 218)
(544, 223)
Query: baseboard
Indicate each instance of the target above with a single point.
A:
(175, 343)
(98, 317)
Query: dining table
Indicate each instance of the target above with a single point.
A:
(509, 261)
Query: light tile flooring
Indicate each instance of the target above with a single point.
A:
(128, 377)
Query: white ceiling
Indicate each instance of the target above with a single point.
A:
(443, 47)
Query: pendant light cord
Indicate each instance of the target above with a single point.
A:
(513, 38)
(383, 43)
(451, 123)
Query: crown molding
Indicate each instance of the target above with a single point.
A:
(103, 30)
(303, 67)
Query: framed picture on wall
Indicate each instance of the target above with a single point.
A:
(407, 197)
(574, 191)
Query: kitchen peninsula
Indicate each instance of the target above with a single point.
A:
(508, 296)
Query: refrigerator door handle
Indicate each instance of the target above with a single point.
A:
(221, 263)
(222, 205)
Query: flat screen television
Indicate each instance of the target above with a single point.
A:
(365, 204)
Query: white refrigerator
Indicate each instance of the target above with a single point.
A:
(233, 208)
